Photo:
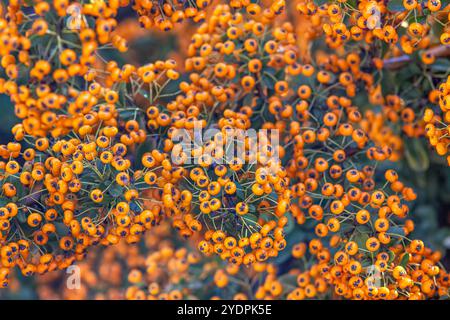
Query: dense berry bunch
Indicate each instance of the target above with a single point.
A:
(268, 165)
(409, 22)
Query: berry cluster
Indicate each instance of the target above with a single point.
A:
(264, 166)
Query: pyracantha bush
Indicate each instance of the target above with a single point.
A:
(124, 169)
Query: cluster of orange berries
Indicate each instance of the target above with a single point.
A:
(337, 193)
(238, 200)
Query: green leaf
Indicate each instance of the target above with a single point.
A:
(421, 19)
(384, 48)
(61, 228)
(437, 29)
(407, 73)
(417, 155)
(7, 120)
